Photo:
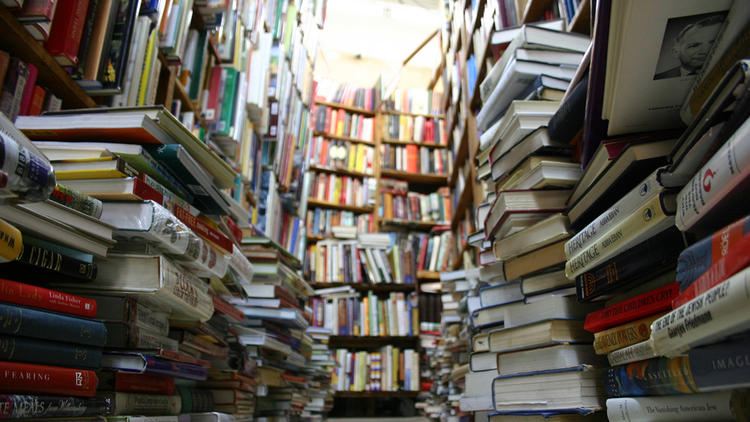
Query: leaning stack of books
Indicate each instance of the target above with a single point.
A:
(320, 367)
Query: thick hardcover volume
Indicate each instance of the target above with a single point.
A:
(35, 258)
(651, 218)
(698, 257)
(143, 404)
(623, 335)
(39, 297)
(66, 30)
(647, 259)
(23, 349)
(720, 366)
(18, 406)
(728, 265)
(718, 313)
(201, 229)
(77, 201)
(28, 322)
(658, 300)
(42, 379)
(722, 179)
(720, 406)
(11, 242)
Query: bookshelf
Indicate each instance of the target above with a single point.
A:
(376, 394)
(335, 206)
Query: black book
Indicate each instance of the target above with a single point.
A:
(638, 264)
(47, 264)
(112, 73)
(568, 119)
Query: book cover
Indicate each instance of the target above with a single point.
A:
(136, 383)
(723, 405)
(623, 335)
(42, 298)
(18, 406)
(66, 31)
(143, 404)
(44, 379)
(78, 201)
(11, 243)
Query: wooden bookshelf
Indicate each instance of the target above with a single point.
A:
(431, 179)
(332, 205)
(372, 341)
(364, 287)
(342, 138)
(17, 41)
(181, 94)
(353, 109)
(375, 394)
(409, 224)
(534, 10)
(408, 113)
(461, 155)
(419, 144)
(464, 200)
(315, 238)
(342, 172)
(581, 22)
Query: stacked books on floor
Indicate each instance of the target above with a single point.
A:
(321, 366)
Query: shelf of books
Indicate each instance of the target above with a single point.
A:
(157, 274)
(593, 219)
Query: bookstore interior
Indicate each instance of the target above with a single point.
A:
(240, 210)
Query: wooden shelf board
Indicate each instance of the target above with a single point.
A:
(581, 22)
(419, 144)
(464, 200)
(315, 238)
(353, 109)
(461, 155)
(17, 41)
(424, 275)
(342, 138)
(342, 172)
(535, 10)
(325, 204)
(408, 113)
(432, 179)
(363, 287)
(371, 341)
(376, 394)
(421, 225)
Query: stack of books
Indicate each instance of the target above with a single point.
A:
(321, 367)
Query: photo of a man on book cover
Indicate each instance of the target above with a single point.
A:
(686, 44)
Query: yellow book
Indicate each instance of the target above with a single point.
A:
(11, 242)
(623, 335)
(394, 369)
(146, 72)
(94, 168)
(336, 190)
(361, 158)
(352, 156)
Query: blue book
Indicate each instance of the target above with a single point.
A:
(36, 323)
(45, 352)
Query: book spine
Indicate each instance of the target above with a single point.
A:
(77, 200)
(51, 326)
(66, 31)
(658, 376)
(39, 297)
(143, 404)
(649, 219)
(728, 265)
(700, 256)
(19, 406)
(622, 336)
(633, 353)
(628, 266)
(649, 303)
(11, 243)
(618, 212)
(30, 378)
(719, 176)
(22, 349)
(139, 383)
(45, 259)
(688, 407)
(176, 369)
(210, 235)
(719, 312)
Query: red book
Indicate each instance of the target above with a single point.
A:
(41, 298)
(728, 265)
(66, 30)
(643, 305)
(36, 11)
(21, 378)
(323, 160)
(223, 307)
(212, 102)
(200, 228)
(327, 125)
(28, 90)
(412, 159)
(234, 229)
(422, 252)
(144, 383)
(37, 101)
